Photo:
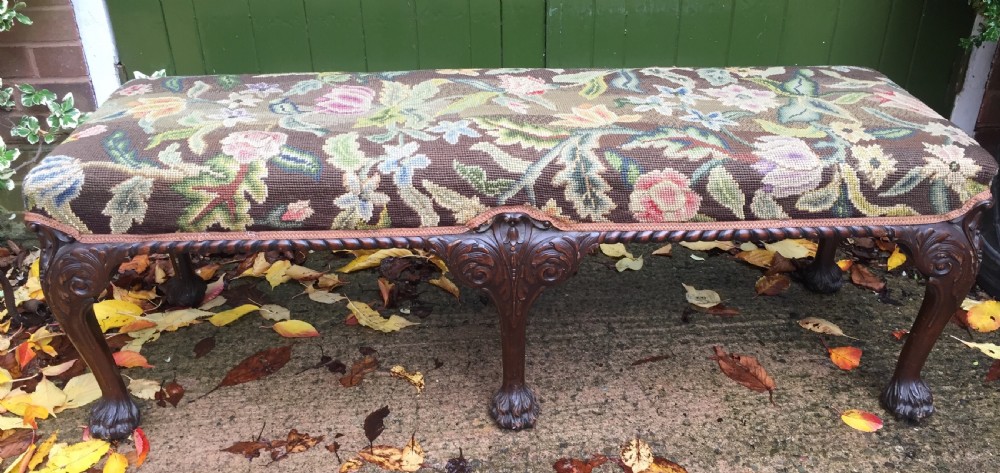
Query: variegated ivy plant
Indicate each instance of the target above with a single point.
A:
(989, 28)
(62, 114)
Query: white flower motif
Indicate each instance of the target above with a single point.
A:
(949, 165)
(955, 134)
(874, 163)
(751, 100)
(238, 100)
(852, 132)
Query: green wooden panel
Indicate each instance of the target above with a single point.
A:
(609, 33)
(336, 35)
(704, 33)
(809, 26)
(281, 35)
(651, 32)
(185, 42)
(523, 33)
(860, 33)
(900, 37)
(937, 57)
(226, 36)
(569, 33)
(139, 25)
(390, 34)
(443, 33)
(756, 32)
(484, 33)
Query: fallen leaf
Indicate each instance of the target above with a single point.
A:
(259, 268)
(824, 326)
(793, 248)
(76, 458)
(42, 451)
(862, 277)
(701, 297)
(861, 420)
(248, 449)
(175, 319)
(899, 334)
(413, 456)
(359, 369)
(444, 283)
(208, 271)
(295, 329)
(374, 423)
(662, 465)
(116, 463)
(370, 318)
(171, 392)
(572, 465)
(696, 257)
(15, 442)
(274, 312)
(416, 378)
(994, 373)
(227, 317)
(24, 353)
(354, 464)
(365, 260)
(896, 259)
(772, 285)
(385, 289)
(665, 250)
(322, 296)
(846, 358)
(143, 388)
(212, 297)
(984, 317)
(138, 263)
(634, 264)
(650, 359)
(204, 346)
(113, 313)
(721, 310)
(276, 274)
(80, 391)
(745, 370)
(141, 446)
(708, 245)
(989, 349)
(845, 264)
(20, 464)
(637, 455)
(130, 359)
(757, 257)
(137, 325)
(615, 250)
(302, 273)
(256, 366)
(458, 464)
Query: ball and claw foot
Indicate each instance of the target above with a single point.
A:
(113, 419)
(908, 399)
(514, 409)
(822, 279)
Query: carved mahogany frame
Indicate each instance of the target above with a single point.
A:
(513, 258)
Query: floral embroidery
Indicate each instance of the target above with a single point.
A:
(346, 100)
(297, 211)
(249, 146)
(751, 100)
(664, 196)
(135, 89)
(522, 85)
(789, 165)
(874, 163)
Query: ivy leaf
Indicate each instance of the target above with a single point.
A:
(297, 161)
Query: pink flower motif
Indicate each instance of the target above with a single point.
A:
(297, 211)
(522, 85)
(346, 100)
(90, 131)
(751, 100)
(894, 99)
(663, 196)
(136, 89)
(249, 146)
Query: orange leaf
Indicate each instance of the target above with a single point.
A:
(760, 257)
(138, 263)
(131, 359)
(295, 329)
(24, 354)
(899, 334)
(772, 285)
(137, 325)
(34, 412)
(385, 288)
(861, 420)
(141, 446)
(846, 358)
(845, 264)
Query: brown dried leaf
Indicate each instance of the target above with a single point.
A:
(171, 392)
(374, 423)
(780, 264)
(824, 326)
(994, 373)
(297, 442)
(759, 257)
(862, 277)
(204, 346)
(721, 310)
(637, 455)
(14, 442)
(745, 370)
(662, 465)
(257, 366)
(138, 263)
(366, 365)
(772, 285)
(650, 359)
(250, 450)
(573, 465)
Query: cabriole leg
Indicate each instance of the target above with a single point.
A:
(186, 288)
(513, 260)
(73, 275)
(947, 254)
(823, 275)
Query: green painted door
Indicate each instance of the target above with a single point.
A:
(915, 42)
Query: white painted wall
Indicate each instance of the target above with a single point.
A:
(98, 46)
(970, 98)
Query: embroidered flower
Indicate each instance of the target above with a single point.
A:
(136, 89)
(237, 100)
(249, 146)
(155, 108)
(233, 116)
(874, 163)
(715, 76)
(522, 85)
(54, 182)
(452, 131)
(894, 99)
(713, 120)
(400, 161)
(955, 134)
(263, 89)
(656, 103)
(664, 196)
(751, 100)
(949, 164)
(852, 132)
(346, 100)
(592, 116)
(789, 165)
(87, 132)
(684, 94)
(297, 211)
(361, 196)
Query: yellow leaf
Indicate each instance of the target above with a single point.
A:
(861, 420)
(34, 412)
(175, 319)
(708, 245)
(323, 296)
(845, 264)
(351, 465)
(113, 313)
(144, 388)
(116, 463)
(366, 260)
(75, 458)
(896, 258)
(135, 297)
(46, 395)
(413, 456)
(637, 455)
(5, 376)
(758, 257)
(627, 262)
(295, 329)
(227, 317)
(80, 391)
(278, 273)
(370, 318)
(43, 451)
(7, 423)
(274, 312)
(793, 248)
(819, 325)
(984, 317)
(416, 378)
(260, 266)
(989, 349)
(444, 283)
(20, 465)
(616, 250)
(302, 273)
(702, 297)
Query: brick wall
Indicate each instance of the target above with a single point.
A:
(988, 124)
(47, 54)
